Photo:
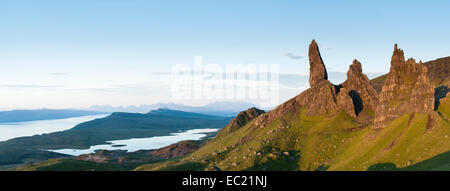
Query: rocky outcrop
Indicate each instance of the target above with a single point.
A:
(319, 99)
(361, 92)
(345, 102)
(406, 89)
(179, 149)
(317, 70)
(438, 74)
(356, 94)
(241, 120)
(101, 156)
(115, 156)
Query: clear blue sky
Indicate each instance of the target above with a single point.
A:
(75, 53)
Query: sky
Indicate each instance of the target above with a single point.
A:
(77, 53)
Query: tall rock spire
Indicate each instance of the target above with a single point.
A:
(317, 70)
(398, 57)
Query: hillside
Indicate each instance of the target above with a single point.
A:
(350, 126)
(117, 160)
(117, 126)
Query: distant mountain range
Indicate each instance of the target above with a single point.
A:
(226, 109)
(43, 114)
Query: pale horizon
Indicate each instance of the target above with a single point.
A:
(75, 54)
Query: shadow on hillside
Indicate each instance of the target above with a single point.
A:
(438, 163)
(383, 167)
(439, 93)
(281, 163)
(186, 166)
(322, 168)
(357, 101)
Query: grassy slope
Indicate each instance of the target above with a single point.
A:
(71, 165)
(326, 143)
(309, 142)
(399, 144)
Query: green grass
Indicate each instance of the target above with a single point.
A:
(251, 148)
(404, 142)
(444, 108)
(72, 165)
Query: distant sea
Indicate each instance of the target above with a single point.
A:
(30, 128)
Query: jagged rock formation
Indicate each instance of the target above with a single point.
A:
(353, 96)
(317, 70)
(319, 99)
(406, 89)
(361, 85)
(241, 120)
(361, 91)
(438, 74)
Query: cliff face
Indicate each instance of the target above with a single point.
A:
(406, 89)
(439, 71)
(319, 99)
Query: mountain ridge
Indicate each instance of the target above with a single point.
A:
(43, 114)
(225, 109)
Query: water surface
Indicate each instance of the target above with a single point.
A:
(135, 144)
(21, 129)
